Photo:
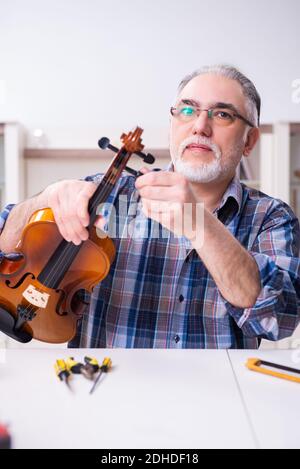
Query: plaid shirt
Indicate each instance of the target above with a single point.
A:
(159, 294)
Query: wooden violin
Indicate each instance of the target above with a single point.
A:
(40, 283)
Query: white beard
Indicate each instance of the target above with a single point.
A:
(207, 172)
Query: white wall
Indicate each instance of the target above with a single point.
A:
(79, 69)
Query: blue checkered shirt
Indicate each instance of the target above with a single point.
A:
(159, 294)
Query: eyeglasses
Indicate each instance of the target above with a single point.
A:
(219, 115)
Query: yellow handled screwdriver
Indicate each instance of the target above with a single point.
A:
(91, 365)
(79, 368)
(62, 372)
(256, 364)
(106, 365)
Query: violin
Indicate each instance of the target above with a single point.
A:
(40, 282)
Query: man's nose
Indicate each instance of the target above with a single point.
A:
(202, 125)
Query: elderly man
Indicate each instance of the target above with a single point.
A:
(240, 284)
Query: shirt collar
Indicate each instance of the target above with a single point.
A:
(234, 191)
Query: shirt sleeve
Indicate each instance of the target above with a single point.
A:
(4, 215)
(276, 312)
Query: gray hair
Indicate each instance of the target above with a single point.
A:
(253, 101)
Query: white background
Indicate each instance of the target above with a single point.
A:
(73, 67)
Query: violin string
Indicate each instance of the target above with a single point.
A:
(71, 249)
(70, 246)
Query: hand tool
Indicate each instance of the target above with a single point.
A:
(255, 364)
(79, 368)
(5, 438)
(62, 372)
(91, 365)
(106, 365)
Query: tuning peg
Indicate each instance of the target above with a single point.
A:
(104, 143)
(11, 256)
(149, 158)
(133, 172)
(146, 158)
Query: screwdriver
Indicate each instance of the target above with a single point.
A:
(106, 365)
(5, 438)
(91, 365)
(78, 368)
(62, 371)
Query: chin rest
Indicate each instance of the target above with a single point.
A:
(11, 256)
(7, 321)
(7, 326)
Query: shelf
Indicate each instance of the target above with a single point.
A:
(11, 163)
(56, 153)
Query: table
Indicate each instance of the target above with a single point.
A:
(273, 405)
(150, 399)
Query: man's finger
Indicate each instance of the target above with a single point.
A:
(100, 222)
(157, 178)
(165, 193)
(145, 170)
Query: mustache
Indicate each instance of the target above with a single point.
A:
(198, 140)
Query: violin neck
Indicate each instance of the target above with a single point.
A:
(107, 184)
(62, 258)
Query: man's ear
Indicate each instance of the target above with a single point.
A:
(252, 137)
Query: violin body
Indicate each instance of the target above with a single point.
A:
(41, 283)
(55, 311)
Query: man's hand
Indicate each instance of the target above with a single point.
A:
(167, 198)
(69, 202)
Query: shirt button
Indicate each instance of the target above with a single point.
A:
(176, 338)
(181, 298)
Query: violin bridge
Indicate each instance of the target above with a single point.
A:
(36, 297)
